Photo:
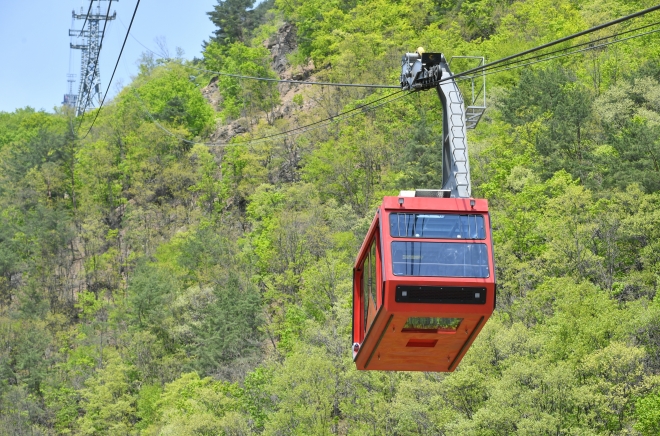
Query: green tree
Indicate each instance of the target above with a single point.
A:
(243, 97)
(109, 400)
(555, 97)
(647, 412)
(192, 405)
(630, 116)
(304, 388)
(234, 20)
(229, 329)
(169, 95)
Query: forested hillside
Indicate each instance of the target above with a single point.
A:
(167, 275)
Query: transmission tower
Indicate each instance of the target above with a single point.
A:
(70, 99)
(89, 89)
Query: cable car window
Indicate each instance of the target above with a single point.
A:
(440, 259)
(431, 325)
(365, 290)
(442, 226)
(369, 285)
(372, 274)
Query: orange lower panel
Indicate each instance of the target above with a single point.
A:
(387, 348)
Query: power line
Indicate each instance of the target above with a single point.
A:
(558, 41)
(115, 69)
(503, 67)
(492, 72)
(82, 29)
(341, 117)
(300, 82)
(480, 69)
(138, 41)
(457, 76)
(324, 122)
(614, 35)
(329, 119)
(510, 65)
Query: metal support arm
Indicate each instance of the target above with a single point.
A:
(431, 70)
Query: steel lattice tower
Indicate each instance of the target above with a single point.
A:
(70, 99)
(89, 89)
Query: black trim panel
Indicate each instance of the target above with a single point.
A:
(440, 294)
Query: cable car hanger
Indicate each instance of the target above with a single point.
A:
(423, 71)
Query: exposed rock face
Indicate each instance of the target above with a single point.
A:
(280, 45)
(224, 133)
(211, 93)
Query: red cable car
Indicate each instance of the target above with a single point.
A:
(424, 284)
(424, 279)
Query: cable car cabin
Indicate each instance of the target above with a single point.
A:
(423, 284)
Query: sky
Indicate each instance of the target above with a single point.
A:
(34, 42)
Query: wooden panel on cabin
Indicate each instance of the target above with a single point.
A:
(394, 350)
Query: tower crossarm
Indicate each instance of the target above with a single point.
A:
(94, 16)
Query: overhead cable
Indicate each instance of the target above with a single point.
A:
(480, 69)
(488, 67)
(590, 43)
(138, 41)
(341, 116)
(299, 82)
(324, 122)
(509, 66)
(504, 67)
(558, 41)
(337, 117)
(82, 29)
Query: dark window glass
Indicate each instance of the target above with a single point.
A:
(441, 226)
(440, 259)
(372, 275)
(369, 284)
(365, 290)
